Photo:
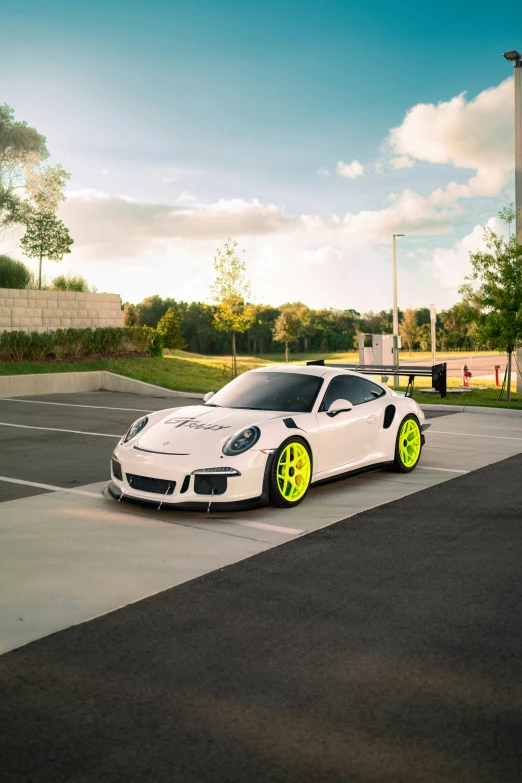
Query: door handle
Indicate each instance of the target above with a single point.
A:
(371, 419)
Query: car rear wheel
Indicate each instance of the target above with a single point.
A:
(290, 473)
(408, 445)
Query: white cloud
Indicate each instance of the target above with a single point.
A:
(324, 173)
(350, 170)
(403, 162)
(186, 197)
(450, 265)
(475, 134)
(322, 255)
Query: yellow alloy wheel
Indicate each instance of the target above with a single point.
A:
(409, 443)
(293, 472)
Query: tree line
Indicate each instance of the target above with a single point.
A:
(306, 329)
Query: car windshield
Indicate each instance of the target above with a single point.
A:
(270, 391)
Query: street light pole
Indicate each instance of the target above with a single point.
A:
(516, 58)
(395, 308)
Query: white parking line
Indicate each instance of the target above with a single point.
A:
(446, 470)
(471, 435)
(51, 487)
(56, 429)
(73, 405)
(291, 531)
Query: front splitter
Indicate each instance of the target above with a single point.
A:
(209, 504)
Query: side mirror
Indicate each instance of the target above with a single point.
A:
(339, 406)
(208, 396)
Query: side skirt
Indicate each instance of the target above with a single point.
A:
(356, 472)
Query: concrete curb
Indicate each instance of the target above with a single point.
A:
(68, 382)
(510, 412)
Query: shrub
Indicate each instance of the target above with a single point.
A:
(71, 283)
(14, 274)
(69, 343)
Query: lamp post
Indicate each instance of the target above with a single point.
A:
(516, 58)
(395, 309)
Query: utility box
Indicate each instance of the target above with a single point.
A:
(383, 351)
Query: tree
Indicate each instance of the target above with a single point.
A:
(286, 328)
(22, 152)
(424, 337)
(131, 315)
(230, 290)
(408, 329)
(45, 237)
(170, 329)
(498, 298)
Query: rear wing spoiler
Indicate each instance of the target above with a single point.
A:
(437, 373)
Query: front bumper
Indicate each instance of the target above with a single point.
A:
(248, 490)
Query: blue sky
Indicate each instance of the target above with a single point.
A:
(184, 123)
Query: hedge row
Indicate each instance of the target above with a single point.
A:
(70, 343)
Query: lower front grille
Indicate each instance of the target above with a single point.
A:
(156, 486)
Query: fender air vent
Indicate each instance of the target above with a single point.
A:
(290, 423)
(389, 415)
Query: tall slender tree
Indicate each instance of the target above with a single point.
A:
(45, 237)
(231, 290)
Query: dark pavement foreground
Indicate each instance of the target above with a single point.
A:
(387, 647)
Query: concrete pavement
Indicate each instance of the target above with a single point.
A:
(70, 554)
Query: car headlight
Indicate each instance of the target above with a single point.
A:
(135, 428)
(241, 441)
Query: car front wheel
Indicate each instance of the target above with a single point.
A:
(290, 473)
(408, 445)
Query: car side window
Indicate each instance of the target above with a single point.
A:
(370, 390)
(343, 387)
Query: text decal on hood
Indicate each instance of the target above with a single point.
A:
(194, 424)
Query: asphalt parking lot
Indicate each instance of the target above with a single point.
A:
(280, 633)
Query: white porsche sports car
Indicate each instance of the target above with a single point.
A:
(265, 438)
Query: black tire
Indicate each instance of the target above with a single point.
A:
(275, 495)
(398, 463)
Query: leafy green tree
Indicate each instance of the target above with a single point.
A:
(230, 290)
(424, 336)
(131, 315)
(22, 152)
(153, 308)
(45, 237)
(408, 329)
(458, 327)
(497, 273)
(170, 330)
(14, 274)
(286, 328)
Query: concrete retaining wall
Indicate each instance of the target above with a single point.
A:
(67, 382)
(42, 311)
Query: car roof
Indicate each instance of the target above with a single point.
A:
(310, 369)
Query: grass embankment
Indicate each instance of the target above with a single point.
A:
(192, 372)
(174, 373)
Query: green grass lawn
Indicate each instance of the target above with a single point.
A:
(191, 372)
